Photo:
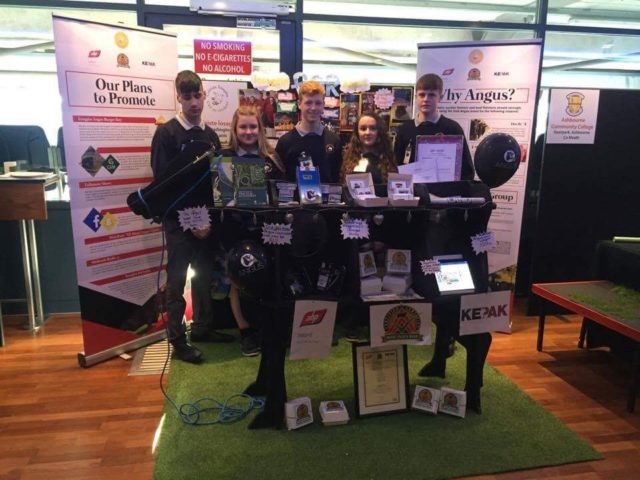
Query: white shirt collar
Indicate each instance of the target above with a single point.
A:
(318, 130)
(419, 119)
(186, 124)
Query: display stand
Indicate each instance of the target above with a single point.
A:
(428, 231)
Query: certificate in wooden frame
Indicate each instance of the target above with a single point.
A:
(380, 379)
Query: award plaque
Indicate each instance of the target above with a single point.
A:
(380, 378)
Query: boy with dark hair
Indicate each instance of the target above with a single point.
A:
(429, 121)
(186, 247)
(311, 137)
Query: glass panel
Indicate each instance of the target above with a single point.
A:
(590, 60)
(28, 82)
(382, 54)
(186, 3)
(265, 45)
(130, 2)
(595, 13)
(512, 11)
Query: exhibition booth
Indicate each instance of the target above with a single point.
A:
(424, 249)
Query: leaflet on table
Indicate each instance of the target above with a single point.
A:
(249, 182)
(438, 159)
(309, 185)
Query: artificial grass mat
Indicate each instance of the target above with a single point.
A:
(512, 433)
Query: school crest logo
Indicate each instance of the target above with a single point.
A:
(123, 61)
(574, 104)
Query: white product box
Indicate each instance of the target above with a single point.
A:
(453, 402)
(298, 413)
(362, 190)
(400, 190)
(370, 285)
(426, 399)
(396, 283)
(334, 412)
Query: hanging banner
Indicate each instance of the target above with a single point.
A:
(572, 116)
(116, 85)
(491, 87)
(485, 312)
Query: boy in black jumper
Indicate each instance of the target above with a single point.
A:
(429, 121)
(190, 247)
(311, 137)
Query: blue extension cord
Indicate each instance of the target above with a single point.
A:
(191, 413)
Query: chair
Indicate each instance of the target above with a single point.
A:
(63, 161)
(26, 142)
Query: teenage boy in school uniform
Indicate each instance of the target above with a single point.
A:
(186, 247)
(311, 137)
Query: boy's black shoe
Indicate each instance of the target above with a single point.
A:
(211, 336)
(187, 353)
(249, 342)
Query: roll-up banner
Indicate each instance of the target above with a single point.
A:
(491, 87)
(116, 84)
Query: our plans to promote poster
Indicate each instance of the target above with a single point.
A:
(116, 84)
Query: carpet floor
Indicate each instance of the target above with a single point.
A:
(513, 432)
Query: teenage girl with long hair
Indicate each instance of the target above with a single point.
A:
(369, 150)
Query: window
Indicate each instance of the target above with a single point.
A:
(382, 54)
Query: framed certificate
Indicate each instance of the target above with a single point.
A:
(380, 379)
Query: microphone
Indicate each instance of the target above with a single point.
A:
(183, 172)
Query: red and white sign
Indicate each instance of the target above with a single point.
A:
(222, 57)
(313, 323)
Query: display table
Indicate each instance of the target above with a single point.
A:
(581, 298)
(427, 231)
(23, 199)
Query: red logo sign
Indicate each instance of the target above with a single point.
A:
(94, 53)
(221, 57)
(313, 318)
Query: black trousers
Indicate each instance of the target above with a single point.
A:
(183, 250)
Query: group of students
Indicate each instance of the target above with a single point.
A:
(369, 141)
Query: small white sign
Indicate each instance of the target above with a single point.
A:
(430, 266)
(313, 323)
(354, 228)
(276, 234)
(483, 242)
(573, 114)
(196, 218)
(485, 312)
(400, 323)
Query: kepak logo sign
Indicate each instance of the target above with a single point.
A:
(485, 312)
(480, 313)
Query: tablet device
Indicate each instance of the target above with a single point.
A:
(454, 277)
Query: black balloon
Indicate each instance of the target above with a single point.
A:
(249, 267)
(497, 158)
